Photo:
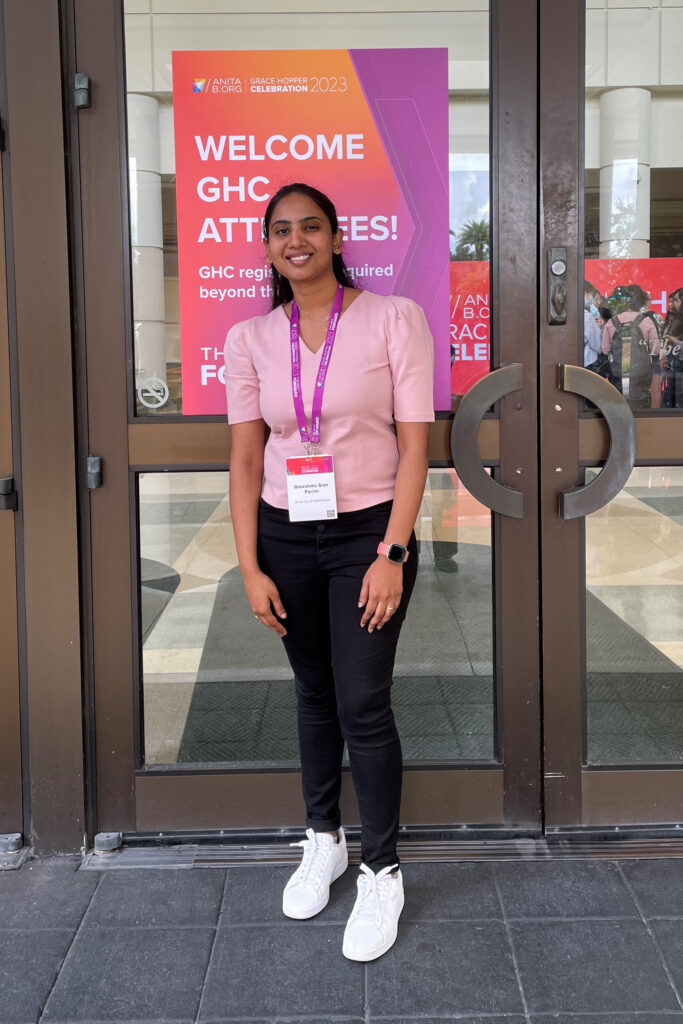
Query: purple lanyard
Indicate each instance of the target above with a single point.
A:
(314, 437)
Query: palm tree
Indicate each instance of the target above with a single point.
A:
(472, 241)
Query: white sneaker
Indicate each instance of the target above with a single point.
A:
(373, 925)
(308, 890)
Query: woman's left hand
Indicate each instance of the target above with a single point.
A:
(380, 593)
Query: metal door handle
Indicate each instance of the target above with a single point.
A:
(480, 397)
(581, 501)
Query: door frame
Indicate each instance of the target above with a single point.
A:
(578, 796)
(55, 684)
(39, 313)
(134, 799)
(11, 783)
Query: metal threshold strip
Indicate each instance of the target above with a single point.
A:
(425, 851)
(12, 861)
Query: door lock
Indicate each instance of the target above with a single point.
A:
(557, 286)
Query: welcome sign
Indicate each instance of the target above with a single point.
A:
(368, 127)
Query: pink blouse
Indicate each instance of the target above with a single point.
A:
(381, 370)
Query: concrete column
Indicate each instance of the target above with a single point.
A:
(625, 173)
(146, 238)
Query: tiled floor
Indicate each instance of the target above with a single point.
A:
(580, 941)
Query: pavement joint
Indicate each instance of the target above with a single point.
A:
(653, 937)
(211, 951)
(512, 947)
(652, 884)
(69, 951)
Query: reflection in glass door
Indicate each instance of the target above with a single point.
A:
(613, 682)
(633, 293)
(217, 690)
(634, 622)
(634, 201)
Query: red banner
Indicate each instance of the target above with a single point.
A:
(470, 358)
(469, 304)
(658, 277)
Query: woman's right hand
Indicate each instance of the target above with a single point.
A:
(263, 597)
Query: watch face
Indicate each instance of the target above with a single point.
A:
(396, 553)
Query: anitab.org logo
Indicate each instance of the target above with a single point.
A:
(198, 84)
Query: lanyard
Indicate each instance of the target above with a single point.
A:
(314, 437)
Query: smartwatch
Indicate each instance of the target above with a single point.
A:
(396, 553)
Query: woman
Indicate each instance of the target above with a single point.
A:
(672, 308)
(656, 384)
(662, 371)
(672, 356)
(327, 551)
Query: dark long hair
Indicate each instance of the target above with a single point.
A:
(675, 326)
(671, 314)
(636, 297)
(282, 289)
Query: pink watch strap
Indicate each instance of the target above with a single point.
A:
(383, 549)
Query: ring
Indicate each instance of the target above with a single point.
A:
(390, 607)
(256, 616)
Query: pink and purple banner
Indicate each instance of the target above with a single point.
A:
(368, 127)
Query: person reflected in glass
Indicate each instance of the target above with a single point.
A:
(655, 357)
(336, 588)
(592, 343)
(630, 339)
(604, 363)
(673, 306)
(671, 360)
(590, 299)
(593, 357)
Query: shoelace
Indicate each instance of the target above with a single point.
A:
(372, 892)
(315, 853)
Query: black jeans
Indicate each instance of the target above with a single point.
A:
(343, 674)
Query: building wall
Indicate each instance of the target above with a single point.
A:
(628, 43)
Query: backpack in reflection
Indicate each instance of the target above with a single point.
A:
(631, 362)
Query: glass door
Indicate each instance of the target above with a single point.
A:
(612, 196)
(195, 725)
(565, 205)
(10, 749)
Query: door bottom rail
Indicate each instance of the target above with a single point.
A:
(577, 846)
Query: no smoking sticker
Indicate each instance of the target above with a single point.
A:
(153, 392)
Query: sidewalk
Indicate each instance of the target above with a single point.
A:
(572, 941)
